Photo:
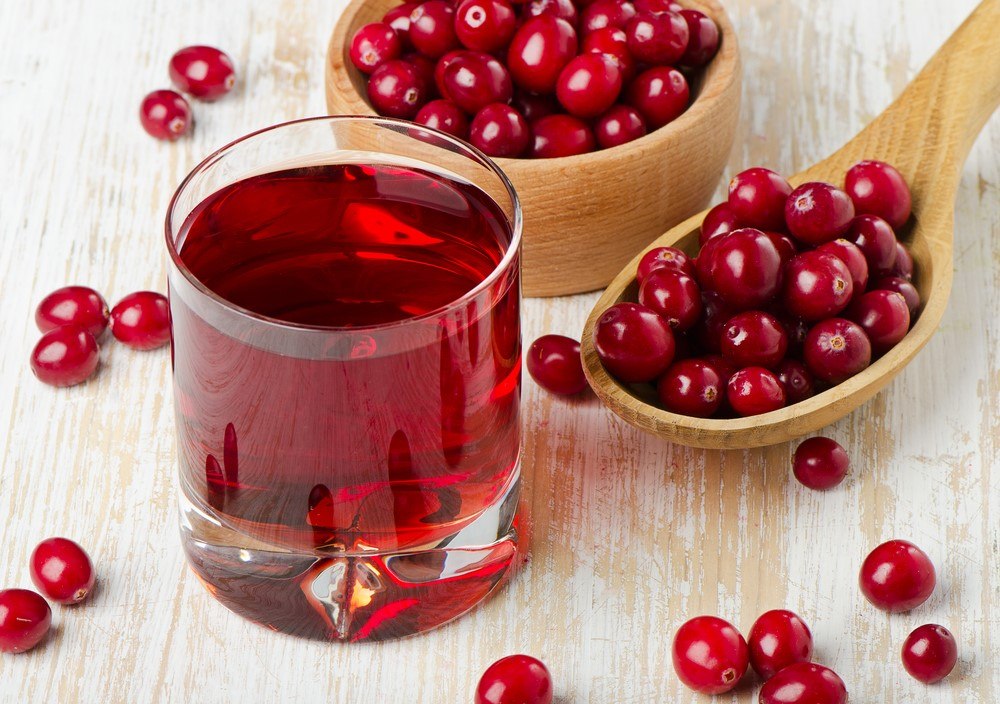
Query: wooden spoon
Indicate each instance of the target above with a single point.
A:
(927, 134)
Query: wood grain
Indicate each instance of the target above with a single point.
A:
(630, 534)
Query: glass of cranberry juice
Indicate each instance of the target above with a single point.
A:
(346, 352)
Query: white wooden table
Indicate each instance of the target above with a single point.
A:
(630, 535)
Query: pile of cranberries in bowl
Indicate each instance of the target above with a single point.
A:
(792, 291)
(538, 79)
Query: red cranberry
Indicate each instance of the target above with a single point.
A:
(718, 221)
(785, 245)
(757, 198)
(745, 268)
(849, 253)
(876, 240)
(432, 28)
(606, 13)
(710, 656)
(25, 618)
(691, 387)
(897, 576)
(818, 212)
(534, 107)
(540, 49)
(399, 19)
(396, 89)
(657, 6)
(879, 189)
(499, 130)
(485, 25)
(589, 84)
(903, 287)
(73, 305)
(619, 125)
(754, 339)
(141, 320)
(820, 463)
(660, 94)
(796, 380)
(61, 570)
(657, 38)
(65, 356)
(903, 268)
(165, 115)
(613, 42)
(776, 640)
(674, 295)
(634, 343)
(817, 285)
(836, 349)
(554, 363)
(561, 135)
(373, 45)
(203, 71)
(884, 316)
(930, 653)
(444, 115)
(716, 315)
(703, 40)
(755, 390)
(564, 9)
(473, 80)
(804, 683)
(515, 679)
(663, 258)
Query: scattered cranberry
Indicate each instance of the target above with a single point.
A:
(165, 115)
(65, 356)
(564, 9)
(903, 266)
(820, 463)
(692, 387)
(744, 268)
(903, 287)
(444, 115)
(606, 13)
(515, 679)
(397, 89)
(674, 295)
(796, 380)
(703, 40)
(373, 45)
(930, 653)
(884, 316)
(485, 25)
(657, 37)
(718, 221)
(710, 656)
(561, 135)
(876, 240)
(853, 257)
(755, 390)
(804, 683)
(818, 212)
(473, 80)
(634, 343)
(817, 285)
(25, 618)
(776, 640)
(141, 320)
(663, 258)
(62, 571)
(540, 49)
(660, 94)
(500, 131)
(619, 125)
(879, 189)
(897, 576)
(589, 84)
(754, 339)
(73, 305)
(432, 28)
(613, 42)
(836, 349)
(554, 363)
(757, 198)
(203, 71)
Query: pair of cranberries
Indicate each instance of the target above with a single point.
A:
(62, 572)
(72, 320)
(203, 72)
(539, 79)
(792, 291)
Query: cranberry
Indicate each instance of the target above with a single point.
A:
(656, 6)
(884, 316)
(660, 94)
(613, 42)
(619, 125)
(432, 28)
(634, 343)
(836, 349)
(703, 40)
(716, 315)
(757, 198)
(554, 363)
(657, 38)
(73, 305)
(876, 240)
(755, 390)
(444, 115)
(141, 320)
(61, 570)
(65, 356)
(691, 387)
(820, 463)
(718, 221)
(203, 71)
(485, 25)
(425, 69)
(561, 135)
(903, 268)
(373, 45)
(25, 618)
(745, 268)
(165, 114)
(784, 244)
(804, 683)
(776, 640)
(396, 89)
(879, 189)
(663, 258)
(473, 80)
(564, 9)
(818, 212)
(851, 255)
(589, 84)
(710, 656)
(817, 285)
(500, 130)
(515, 679)
(534, 107)
(606, 13)
(399, 19)
(723, 367)
(674, 295)
(754, 339)
(930, 653)
(540, 49)
(897, 576)
(796, 380)
(903, 287)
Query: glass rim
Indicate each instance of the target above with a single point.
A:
(512, 252)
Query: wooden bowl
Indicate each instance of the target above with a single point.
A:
(586, 216)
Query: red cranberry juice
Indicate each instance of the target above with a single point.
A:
(370, 422)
